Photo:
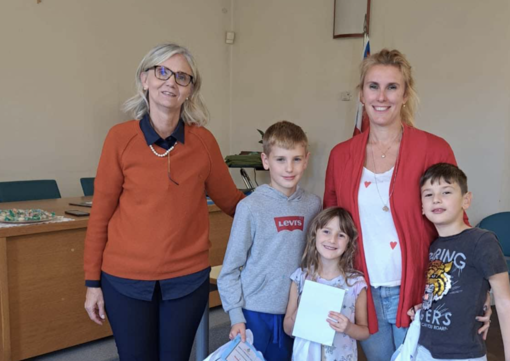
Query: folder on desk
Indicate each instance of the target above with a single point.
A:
(82, 204)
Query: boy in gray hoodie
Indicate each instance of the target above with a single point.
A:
(266, 244)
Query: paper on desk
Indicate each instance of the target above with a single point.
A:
(54, 220)
(317, 300)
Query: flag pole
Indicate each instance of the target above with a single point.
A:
(361, 121)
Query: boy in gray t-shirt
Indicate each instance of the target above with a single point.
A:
(266, 244)
(464, 264)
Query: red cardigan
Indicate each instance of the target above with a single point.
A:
(418, 151)
(144, 227)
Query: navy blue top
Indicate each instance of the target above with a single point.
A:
(151, 137)
(171, 288)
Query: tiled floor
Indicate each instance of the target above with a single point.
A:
(104, 350)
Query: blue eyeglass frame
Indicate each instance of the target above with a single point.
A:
(171, 73)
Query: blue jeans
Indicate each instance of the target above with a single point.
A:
(381, 345)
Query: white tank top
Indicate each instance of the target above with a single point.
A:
(380, 238)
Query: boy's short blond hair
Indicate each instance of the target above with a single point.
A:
(284, 134)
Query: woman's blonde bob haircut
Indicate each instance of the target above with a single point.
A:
(193, 111)
(397, 59)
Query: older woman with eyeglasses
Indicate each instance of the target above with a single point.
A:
(147, 246)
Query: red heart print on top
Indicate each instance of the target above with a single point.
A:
(393, 245)
(367, 184)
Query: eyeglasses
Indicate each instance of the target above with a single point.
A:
(163, 73)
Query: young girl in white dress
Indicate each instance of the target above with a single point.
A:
(328, 259)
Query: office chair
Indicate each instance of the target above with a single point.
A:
(499, 223)
(31, 190)
(87, 184)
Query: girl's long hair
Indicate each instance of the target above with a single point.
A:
(310, 262)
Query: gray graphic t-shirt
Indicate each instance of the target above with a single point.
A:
(455, 293)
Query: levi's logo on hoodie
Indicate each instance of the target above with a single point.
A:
(291, 223)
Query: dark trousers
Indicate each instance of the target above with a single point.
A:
(157, 330)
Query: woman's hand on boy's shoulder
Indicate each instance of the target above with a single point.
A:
(238, 328)
(412, 311)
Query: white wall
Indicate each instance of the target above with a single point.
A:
(460, 55)
(287, 66)
(68, 65)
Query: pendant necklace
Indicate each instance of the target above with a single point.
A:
(167, 153)
(386, 207)
(163, 154)
(152, 148)
(383, 154)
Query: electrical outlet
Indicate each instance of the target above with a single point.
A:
(346, 96)
(229, 37)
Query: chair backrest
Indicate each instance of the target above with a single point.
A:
(31, 190)
(499, 223)
(87, 184)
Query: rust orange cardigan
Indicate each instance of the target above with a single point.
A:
(144, 227)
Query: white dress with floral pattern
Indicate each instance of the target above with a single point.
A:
(344, 347)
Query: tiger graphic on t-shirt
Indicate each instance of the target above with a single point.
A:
(438, 282)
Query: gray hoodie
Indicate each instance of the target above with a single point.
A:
(265, 246)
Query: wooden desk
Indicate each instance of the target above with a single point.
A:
(42, 290)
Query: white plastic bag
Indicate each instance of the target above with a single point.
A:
(218, 354)
(305, 350)
(407, 351)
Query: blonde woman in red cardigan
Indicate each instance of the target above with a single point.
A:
(147, 245)
(375, 176)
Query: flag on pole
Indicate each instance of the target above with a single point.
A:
(362, 123)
